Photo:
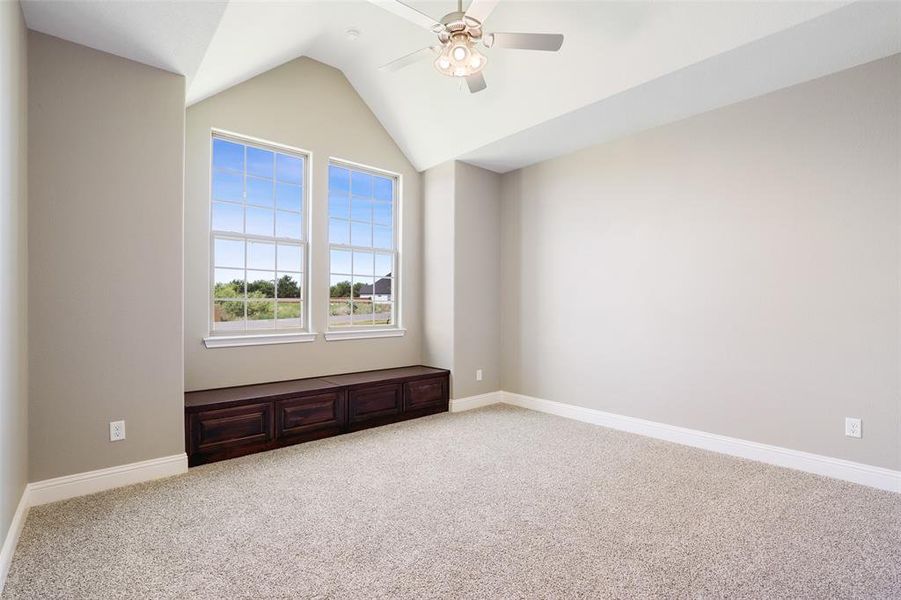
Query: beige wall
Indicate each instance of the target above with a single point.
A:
(13, 263)
(105, 174)
(308, 105)
(476, 280)
(736, 272)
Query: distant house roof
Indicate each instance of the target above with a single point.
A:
(382, 287)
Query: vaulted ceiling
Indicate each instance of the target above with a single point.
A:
(624, 66)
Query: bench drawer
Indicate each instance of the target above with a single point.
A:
(372, 402)
(425, 393)
(229, 427)
(299, 416)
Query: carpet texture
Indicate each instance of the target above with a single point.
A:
(494, 503)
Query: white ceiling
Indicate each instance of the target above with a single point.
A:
(624, 66)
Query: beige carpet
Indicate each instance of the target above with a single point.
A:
(495, 503)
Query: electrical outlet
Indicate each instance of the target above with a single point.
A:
(116, 431)
(478, 374)
(852, 427)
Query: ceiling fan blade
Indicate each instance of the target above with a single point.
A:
(409, 59)
(476, 83)
(549, 42)
(410, 14)
(480, 9)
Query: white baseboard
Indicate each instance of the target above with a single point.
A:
(12, 537)
(470, 402)
(82, 484)
(877, 477)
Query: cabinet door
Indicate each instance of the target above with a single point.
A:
(297, 417)
(425, 393)
(218, 429)
(374, 401)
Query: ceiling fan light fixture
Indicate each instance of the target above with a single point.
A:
(459, 57)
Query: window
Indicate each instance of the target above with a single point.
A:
(258, 246)
(362, 248)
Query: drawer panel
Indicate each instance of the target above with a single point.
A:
(375, 401)
(425, 393)
(232, 426)
(300, 415)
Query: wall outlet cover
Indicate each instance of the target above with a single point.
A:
(853, 427)
(478, 374)
(116, 431)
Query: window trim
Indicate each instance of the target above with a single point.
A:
(396, 329)
(253, 337)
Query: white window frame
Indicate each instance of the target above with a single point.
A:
(224, 339)
(396, 329)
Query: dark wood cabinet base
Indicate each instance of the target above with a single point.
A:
(229, 422)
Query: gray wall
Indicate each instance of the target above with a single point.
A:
(105, 170)
(308, 105)
(476, 280)
(461, 222)
(736, 272)
(13, 263)
(438, 267)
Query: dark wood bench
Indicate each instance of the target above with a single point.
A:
(229, 422)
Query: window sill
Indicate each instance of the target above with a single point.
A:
(363, 334)
(259, 339)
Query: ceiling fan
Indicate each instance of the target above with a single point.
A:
(459, 33)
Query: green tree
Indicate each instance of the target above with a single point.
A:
(287, 287)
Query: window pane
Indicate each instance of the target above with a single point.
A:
(338, 231)
(260, 284)
(228, 155)
(287, 225)
(384, 188)
(288, 285)
(228, 186)
(289, 169)
(340, 262)
(338, 179)
(259, 221)
(228, 217)
(361, 209)
(228, 253)
(260, 314)
(362, 287)
(260, 255)
(339, 314)
(288, 313)
(339, 288)
(228, 283)
(362, 263)
(290, 258)
(361, 184)
(382, 314)
(381, 213)
(259, 191)
(362, 312)
(260, 162)
(382, 238)
(361, 234)
(339, 206)
(382, 289)
(228, 315)
(384, 264)
(289, 196)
